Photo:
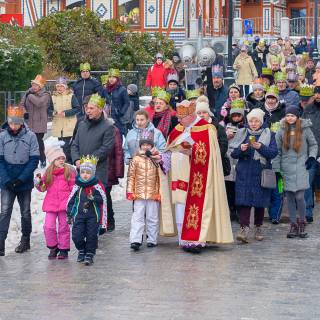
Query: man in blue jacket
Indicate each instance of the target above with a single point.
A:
(287, 96)
(86, 85)
(19, 157)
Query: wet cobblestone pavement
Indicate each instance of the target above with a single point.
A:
(274, 279)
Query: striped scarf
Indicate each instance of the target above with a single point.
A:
(165, 122)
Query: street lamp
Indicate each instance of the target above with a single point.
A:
(315, 54)
(229, 79)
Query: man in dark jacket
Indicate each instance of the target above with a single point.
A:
(19, 157)
(216, 91)
(134, 104)
(95, 136)
(86, 85)
(118, 99)
(312, 112)
(286, 95)
(259, 56)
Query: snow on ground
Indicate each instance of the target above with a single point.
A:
(118, 193)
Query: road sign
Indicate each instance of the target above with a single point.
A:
(248, 26)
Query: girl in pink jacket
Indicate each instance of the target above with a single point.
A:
(58, 182)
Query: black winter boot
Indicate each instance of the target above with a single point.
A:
(294, 231)
(63, 254)
(53, 253)
(88, 259)
(302, 232)
(81, 256)
(24, 245)
(2, 248)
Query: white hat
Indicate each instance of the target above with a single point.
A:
(256, 113)
(203, 106)
(54, 151)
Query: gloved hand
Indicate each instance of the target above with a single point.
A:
(69, 220)
(310, 163)
(278, 175)
(130, 196)
(17, 183)
(102, 231)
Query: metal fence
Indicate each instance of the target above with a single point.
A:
(137, 76)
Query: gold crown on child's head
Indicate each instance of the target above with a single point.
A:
(89, 159)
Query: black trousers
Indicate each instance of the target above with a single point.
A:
(85, 232)
(110, 214)
(41, 146)
(7, 200)
(67, 148)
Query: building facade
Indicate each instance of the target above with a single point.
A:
(179, 19)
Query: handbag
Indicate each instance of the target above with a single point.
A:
(268, 179)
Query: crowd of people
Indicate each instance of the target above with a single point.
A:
(199, 156)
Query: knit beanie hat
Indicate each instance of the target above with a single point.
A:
(89, 163)
(62, 81)
(53, 150)
(293, 110)
(234, 86)
(203, 106)
(258, 84)
(133, 88)
(256, 113)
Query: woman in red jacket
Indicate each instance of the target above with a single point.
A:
(156, 76)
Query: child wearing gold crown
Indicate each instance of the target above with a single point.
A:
(86, 209)
(143, 187)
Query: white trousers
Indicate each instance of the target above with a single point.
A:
(180, 208)
(145, 214)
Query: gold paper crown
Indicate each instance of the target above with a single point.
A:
(15, 112)
(266, 72)
(104, 79)
(185, 108)
(301, 71)
(258, 81)
(155, 90)
(192, 94)
(280, 76)
(114, 73)
(273, 90)
(39, 80)
(85, 66)
(238, 104)
(306, 91)
(275, 59)
(98, 101)
(89, 159)
(164, 95)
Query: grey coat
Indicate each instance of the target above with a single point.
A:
(94, 137)
(37, 106)
(292, 165)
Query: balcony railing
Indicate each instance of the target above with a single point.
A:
(299, 27)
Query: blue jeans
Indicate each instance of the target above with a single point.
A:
(309, 193)
(7, 200)
(276, 204)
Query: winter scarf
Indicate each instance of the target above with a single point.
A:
(111, 87)
(265, 138)
(165, 122)
(270, 109)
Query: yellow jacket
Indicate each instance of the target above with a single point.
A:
(143, 179)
